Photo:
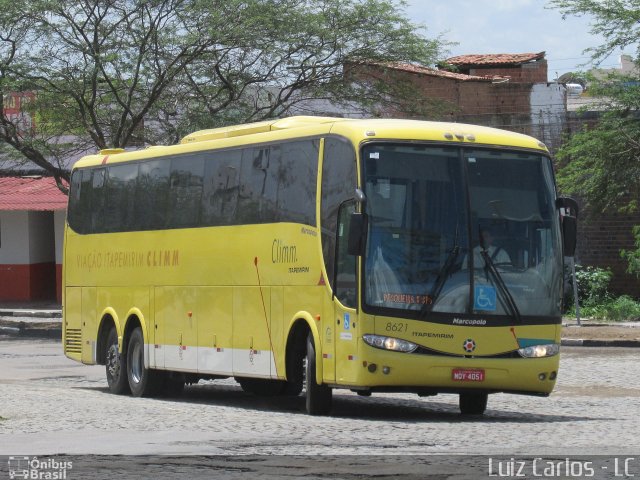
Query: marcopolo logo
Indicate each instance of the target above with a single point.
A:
(38, 469)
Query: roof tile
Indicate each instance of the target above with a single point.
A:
(31, 193)
(407, 67)
(495, 59)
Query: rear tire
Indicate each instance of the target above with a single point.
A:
(142, 381)
(116, 365)
(473, 403)
(319, 397)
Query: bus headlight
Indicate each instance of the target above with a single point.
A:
(539, 351)
(389, 343)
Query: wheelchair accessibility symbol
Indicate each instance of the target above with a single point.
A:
(484, 298)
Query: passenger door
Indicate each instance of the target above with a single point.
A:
(345, 301)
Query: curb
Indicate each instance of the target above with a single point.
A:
(31, 313)
(22, 332)
(579, 342)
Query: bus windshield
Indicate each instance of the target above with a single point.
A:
(461, 231)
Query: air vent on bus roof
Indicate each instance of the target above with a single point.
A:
(111, 151)
(257, 127)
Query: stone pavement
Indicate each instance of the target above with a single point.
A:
(44, 320)
(50, 404)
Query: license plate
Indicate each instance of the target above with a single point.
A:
(467, 375)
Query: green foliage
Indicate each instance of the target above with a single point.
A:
(621, 309)
(617, 21)
(597, 302)
(633, 256)
(600, 163)
(593, 285)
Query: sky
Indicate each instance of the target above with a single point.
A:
(511, 26)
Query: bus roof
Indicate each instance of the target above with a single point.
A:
(357, 130)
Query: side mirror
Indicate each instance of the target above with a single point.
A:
(357, 234)
(569, 214)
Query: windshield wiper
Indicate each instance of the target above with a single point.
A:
(443, 274)
(504, 290)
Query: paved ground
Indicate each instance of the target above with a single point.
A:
(51, 405)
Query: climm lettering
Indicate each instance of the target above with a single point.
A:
(283, 253)
(163, 258)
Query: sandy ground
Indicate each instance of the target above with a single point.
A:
(622, 331)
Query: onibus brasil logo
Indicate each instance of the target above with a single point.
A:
(36, 469)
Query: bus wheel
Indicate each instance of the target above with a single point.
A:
(473, 403)
(295, 373)
(142, 381)
(319, 397)
(115, 365)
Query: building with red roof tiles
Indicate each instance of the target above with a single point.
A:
(507, 91)
(32, 213)
(519, 67)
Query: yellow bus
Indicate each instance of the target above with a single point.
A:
(315, 253)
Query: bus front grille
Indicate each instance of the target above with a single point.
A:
(73, 340)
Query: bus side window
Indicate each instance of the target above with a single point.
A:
(152, 195)
(338, 184)
(75, 212)
(185, 191)
(257, 193)
(95, 217)
(120, 198)
(220, 188)
(295, 178)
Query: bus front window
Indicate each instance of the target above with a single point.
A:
(460, 231)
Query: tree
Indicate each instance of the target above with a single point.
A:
(131, 72)
(617, 21)
(602, 162)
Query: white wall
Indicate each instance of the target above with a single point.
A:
(59, 217)
(548, 103)
(14, 233)
(27, 237)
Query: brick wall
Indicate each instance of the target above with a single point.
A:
(601, 236)
(534, 72)
(502, 105)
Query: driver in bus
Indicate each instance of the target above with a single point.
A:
(497, 254)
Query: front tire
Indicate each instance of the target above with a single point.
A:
(473, 403)
(319, 397)
(142, 381)
(295, 371)
(116, 365)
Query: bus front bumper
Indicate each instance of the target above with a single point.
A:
(390, 370)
